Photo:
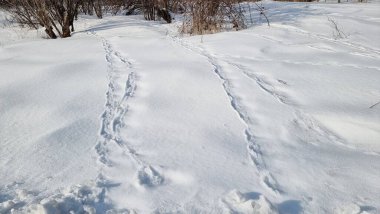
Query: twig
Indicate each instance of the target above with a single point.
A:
(261, 9)
(374, 105)
(340, 34)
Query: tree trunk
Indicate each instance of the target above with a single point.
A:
(66, 32)
(165, 14)
(49, 31)
(90, 8)
(98, 9)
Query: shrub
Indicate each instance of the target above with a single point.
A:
(210, 16)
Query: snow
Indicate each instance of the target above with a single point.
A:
(129, 116)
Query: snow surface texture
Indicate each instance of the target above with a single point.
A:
(127, 116)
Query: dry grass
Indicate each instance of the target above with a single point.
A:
(211, 16)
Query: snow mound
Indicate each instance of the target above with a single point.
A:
(78, 199)
(355, 209)
(88, 199)
(237, 202)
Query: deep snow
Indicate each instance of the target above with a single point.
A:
(129, 116)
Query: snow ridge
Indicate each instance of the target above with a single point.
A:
(365, 50)
(302, 121)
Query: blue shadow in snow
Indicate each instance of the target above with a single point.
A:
(290, 207)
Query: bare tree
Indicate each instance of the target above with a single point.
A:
(92, 6)
(55, 16)
(156, 9)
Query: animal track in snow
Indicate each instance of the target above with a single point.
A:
(237, 202)
(148, 176)
(253, 147)
(116, 108)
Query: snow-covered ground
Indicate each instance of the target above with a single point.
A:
(128, 116)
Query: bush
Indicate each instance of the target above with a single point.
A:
(55, 16)
(210, 16)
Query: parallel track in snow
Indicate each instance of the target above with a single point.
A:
(375, 53)
(116, 108)
(253, 148)
(312, 125)
(304, 121)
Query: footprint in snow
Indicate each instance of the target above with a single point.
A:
(252, 202)
(282, 82)
(149, 177)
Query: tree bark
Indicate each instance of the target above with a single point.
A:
(66, 32)
(49, 31)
